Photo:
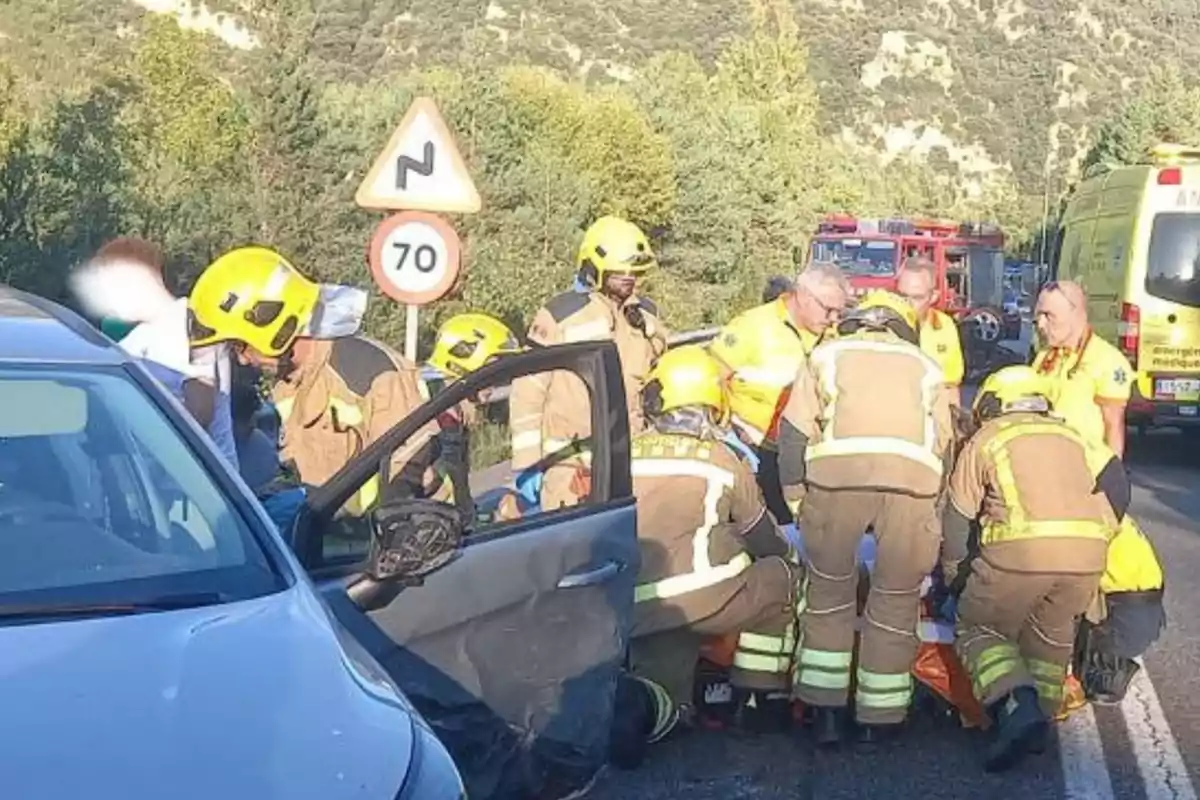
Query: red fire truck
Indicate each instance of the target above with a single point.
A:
(968, 259)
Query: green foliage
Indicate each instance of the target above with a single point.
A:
(723, 143)
(1167, 110)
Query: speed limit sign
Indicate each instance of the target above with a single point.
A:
(415, 257)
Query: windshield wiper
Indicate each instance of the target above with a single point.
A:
(65, 610)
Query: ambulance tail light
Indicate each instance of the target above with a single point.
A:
(1171, 176)
(1129, 331)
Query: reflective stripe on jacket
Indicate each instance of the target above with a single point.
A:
(875, 414)
(1031, 481)
(1019, 522)
(696, 499)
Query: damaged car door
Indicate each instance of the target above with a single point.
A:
(508, 636)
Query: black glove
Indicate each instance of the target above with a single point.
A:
(635, 317)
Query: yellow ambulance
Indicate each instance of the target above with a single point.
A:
(1131, 236)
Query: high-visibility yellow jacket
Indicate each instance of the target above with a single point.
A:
(1132, 565)
(763, 349)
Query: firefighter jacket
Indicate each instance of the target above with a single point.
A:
(1031, 479)
(762, 349)
(1131, 565)
(869, 411)
(551, 411)
(701, 521)
(351, 392)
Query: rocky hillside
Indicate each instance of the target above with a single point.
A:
(974, 85)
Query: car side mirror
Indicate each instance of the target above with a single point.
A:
(410, 540)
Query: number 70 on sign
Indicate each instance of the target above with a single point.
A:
(415, 257)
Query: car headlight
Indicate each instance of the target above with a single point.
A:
(431, 772)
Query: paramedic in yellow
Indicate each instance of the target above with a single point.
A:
(1090, 381)
(917, 283)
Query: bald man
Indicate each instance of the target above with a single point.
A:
(1091, 381)
(917, 283)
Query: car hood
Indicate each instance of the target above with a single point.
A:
(249, 699)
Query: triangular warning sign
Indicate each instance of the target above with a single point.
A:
(420, 168)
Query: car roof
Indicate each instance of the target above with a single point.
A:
(34, 329)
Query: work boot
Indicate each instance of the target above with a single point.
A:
(828, 726)
(1106, 679)
(642, 715)
(868, 737)
(1020, 726)
(762, 711)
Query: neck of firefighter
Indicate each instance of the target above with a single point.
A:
(690, 421)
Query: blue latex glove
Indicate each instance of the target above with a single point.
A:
(528, 484)
(948, 608)
(791, 532)
(744, 450)
(580, 286)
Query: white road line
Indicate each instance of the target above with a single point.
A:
(1081, 753)
(1163, 772)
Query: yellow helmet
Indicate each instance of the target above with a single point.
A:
(882, 310)
(252, 295)
(687, 376)
(613, 245)
(466, 342)
(1018, 388)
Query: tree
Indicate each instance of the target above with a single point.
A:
(1167, 109)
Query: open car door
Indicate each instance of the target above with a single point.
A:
(512, 643)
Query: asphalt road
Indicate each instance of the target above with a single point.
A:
(1147, 748)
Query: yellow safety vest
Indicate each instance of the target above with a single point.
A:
(1018, 526)
(824, 361)
(1133, 566)
(763, 349)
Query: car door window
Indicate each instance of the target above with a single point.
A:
(468, 464)
(468, 467)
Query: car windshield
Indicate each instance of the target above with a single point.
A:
(102, 502)
(1173, 262)
(867, 257)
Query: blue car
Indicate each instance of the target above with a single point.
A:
(162, 639)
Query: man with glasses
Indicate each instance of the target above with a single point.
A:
(917, 283)
(550, 413)
(762, 349)
(1090, 379)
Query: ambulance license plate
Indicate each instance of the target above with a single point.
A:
(1177, 388)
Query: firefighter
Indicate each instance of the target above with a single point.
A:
(761, 351)
(1046, 503)
(862, 444)
(712, 560)
(550, 412)
(1090, 380)
(464, 343)
(917, 283)
(336, 392)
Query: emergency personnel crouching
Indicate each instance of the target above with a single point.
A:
(1126, 619)
(336, 392)
(862, 444)
(1046, 503)
(550, 412)
(712, 560)
(465, 343)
